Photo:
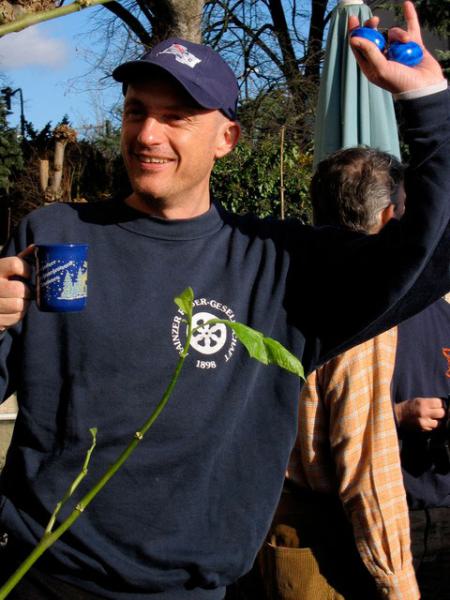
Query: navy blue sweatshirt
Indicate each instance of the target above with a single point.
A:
(187, 513)
(422, 370)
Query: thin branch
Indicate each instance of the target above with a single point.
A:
(47, 15)
(146, 12)
(251, 34)
(131, 21)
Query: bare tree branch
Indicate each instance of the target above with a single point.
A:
(131, 21)
(235, 19)
(146, 12)
(316, 30)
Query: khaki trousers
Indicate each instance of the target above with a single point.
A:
(310, 553)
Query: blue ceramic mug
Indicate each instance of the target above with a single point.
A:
(61, 277)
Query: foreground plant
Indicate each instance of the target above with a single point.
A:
(265, 350)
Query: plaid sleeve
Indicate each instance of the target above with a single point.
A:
(346, 409)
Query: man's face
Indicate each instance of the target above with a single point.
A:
(169, 145)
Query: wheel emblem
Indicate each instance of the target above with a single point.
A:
(208, 339)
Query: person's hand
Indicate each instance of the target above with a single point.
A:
(420, 414)
(388, 74)
(14, 294)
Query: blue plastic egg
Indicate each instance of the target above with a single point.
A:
(370, 34)
(408, 54)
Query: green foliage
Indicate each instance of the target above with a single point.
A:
(37, 142)
(263, 349)
(248, 179)
(11, 161)
(435, 15)
(185, 302)
(98, 167)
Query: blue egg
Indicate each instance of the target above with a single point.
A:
(370, 34)
(408, 54)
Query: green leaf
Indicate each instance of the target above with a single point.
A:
(185, 301)
(265, 350)
(279, 355)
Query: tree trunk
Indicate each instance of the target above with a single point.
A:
(290, 66)
(63, 134)
(316, 29)
(180, 18)
(43, 174)
(54, 190)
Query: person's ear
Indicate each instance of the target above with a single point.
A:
(228, 137)
(387, 214)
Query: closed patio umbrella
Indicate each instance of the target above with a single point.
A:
(351, 111)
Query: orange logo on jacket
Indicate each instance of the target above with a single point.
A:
(446, 353)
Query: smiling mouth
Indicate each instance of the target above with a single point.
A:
(152, 160)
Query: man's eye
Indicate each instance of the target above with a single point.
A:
(174, 117)
(132, 113)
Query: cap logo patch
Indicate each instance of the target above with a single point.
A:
(182, 55)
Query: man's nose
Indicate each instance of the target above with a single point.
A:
(151, 132)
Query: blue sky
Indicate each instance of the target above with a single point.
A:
(47, 61)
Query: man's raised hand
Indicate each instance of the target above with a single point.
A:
(388, 74)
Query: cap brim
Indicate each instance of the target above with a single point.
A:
(134, 70)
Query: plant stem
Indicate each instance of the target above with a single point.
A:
(49, 537)
(75, 483)
(46, 15)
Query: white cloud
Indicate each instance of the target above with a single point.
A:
(30, 48)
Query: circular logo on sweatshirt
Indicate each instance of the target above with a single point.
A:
(212, 343)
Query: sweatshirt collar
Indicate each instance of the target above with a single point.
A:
(174, 229)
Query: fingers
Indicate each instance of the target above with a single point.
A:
(412, 22)
(373, 22)
(389, 74)
(436, 413)
(14, 266)
(14, 289)
(353, 23)
(432, 411)
(428, 424)
(433, 407)
(395, 34)
(27, 252)
(368, 57)
(14, 293)
(12, 311)
(423, 414)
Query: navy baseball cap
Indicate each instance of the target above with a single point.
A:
(199, 69)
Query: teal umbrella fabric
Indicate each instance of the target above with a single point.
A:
(351, 111)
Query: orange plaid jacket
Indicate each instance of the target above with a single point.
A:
(347, 444)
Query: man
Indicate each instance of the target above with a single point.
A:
(346, 454)
(341, 529)
(186, 515)
(420, 389)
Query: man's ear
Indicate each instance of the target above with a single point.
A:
(229, 133)
(387, 214)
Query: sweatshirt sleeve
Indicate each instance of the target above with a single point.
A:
(365, 284)
(355, 390)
